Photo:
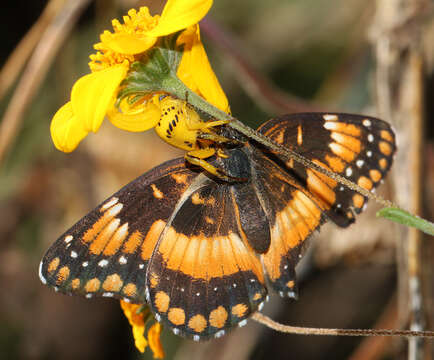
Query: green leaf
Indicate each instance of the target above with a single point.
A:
(405, 218)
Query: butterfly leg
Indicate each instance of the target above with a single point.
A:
(197, 157)
(217, 138)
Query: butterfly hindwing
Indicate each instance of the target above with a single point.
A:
(358, 147)
(204, 278)
(293, 214)
(106, 253)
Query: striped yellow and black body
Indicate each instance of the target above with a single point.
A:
(181, 126)
(200, 250)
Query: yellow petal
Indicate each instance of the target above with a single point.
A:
(137, 323)
(129, 44)
(92, 94)
(196, 72)
(141, 117)
(180, 14)
(66, 131)
(154, 334)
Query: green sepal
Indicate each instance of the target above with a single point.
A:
(156, 71)
(405, 218)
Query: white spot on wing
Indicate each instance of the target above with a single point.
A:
(110, 203)
(103, 262)
(123, 260)
(330, 126)
(219, 334)
(330, 117)
(115, 210)
(85, 264)
(74, 254)
(349, 171)
(360, 163)
(291, 294)
(369, 153)
(41, 277)
(108, 294)
(242, 323)
(88, 296)
(367, 122)
(196, 337)
(370, 138)
(141, 266)
(68, 239)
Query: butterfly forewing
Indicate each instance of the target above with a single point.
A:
(106, 253)
(361, 148)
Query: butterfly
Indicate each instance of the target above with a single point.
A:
(202, 252)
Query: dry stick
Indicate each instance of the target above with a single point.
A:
(400, 76)
(15, 62)
(298, 330)
(36, 70)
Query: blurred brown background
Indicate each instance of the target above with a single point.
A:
(272, 57)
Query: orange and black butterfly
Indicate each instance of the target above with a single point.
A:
(200, 251)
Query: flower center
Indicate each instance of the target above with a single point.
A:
(136, 23)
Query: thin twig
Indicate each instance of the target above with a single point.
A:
(36, 70)
(298, 330)
(374, 348)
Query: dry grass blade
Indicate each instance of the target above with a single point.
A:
(36, 70)
(21, 53)
(401, 72)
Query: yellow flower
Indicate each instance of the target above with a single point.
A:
(137, 316)
(195, 70)
(93, 96)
